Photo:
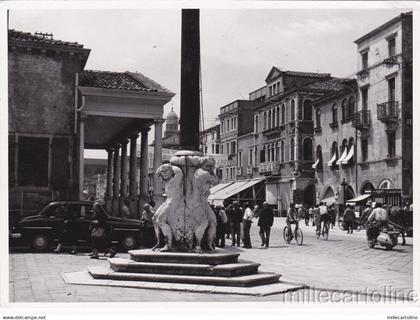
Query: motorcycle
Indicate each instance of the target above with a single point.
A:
(387, 238)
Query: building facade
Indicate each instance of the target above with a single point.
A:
(385, 148)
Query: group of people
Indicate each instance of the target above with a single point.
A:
(235, 222)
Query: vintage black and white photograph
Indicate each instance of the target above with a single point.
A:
(210, 154)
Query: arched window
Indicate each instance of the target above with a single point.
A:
(292, 110)
(386, 184)
(343, 146)
(344, 111)
(262, 155)
(282, 151)
(352, 106)
(334, 113)
(292, 150)
(277, 152)
(318, 118)
(265, 121)
(334, 149)
(277, 116)
(272, 152)
(269, 119)
(273, 120)
(307, 149)
(307, 110)
(283, 114)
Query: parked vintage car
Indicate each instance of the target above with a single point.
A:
(41, 231)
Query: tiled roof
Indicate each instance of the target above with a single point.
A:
(306, 74)
(39, 39)
(332, 84)
(112, 80)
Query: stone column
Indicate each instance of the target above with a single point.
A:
(109, 176)
(81, 155)
(133, 174)
(157, 162)
(124, 173)
(144, 168)
(116, 182)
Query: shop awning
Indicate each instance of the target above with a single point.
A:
(359, 199)
(329, 201)
(232, 189)
(342, 157)
(315, 165)
(220, 186)
(349, 156)
(331, 162)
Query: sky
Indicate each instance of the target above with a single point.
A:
(238, 46)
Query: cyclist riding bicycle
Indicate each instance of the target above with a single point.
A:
(324, 216)
(292, 218)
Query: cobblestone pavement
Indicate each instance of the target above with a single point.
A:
(341, 263)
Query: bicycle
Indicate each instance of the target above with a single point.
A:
(288, 235)
(325, 230)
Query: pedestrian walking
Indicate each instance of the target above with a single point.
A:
(68, 234)
(311, 215)
(317, 217)
(265, 222)
(100, 233)
(349, 217)
(229, 212)
(221, 226)
(306, 214)
(333, 215)
(257, 211)
(236, 220)
(247, 222)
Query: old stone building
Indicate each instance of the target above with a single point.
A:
(57, 110)
(335, 144)
(43, 148)
(385, 108)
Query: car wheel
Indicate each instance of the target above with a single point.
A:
(129, 242)
(40, 242)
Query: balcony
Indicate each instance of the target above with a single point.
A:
(273, 131)
(361, 120)
(387, 112)
(317, 129)
(268, 167)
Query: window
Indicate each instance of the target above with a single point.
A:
(352, 106)
(265, 121)
(256, 155)
(221, 148)
(33, 154)
(256, 124)
(282, 151)
(239, 159)
(277, 152)
(222, 126)
(365, 105)
(262, 155)
(391, 47)
(270, 91)
(318, 118)
(269, 119)
(307, 149)
(278, 116)
(273, 124)
(283, 114)
(391, 144)
(250, 157)
(292, 150)
(228, 125)
(212, 148)
(292, 110)
(234, 123)
(391, 89)
(334, 113)
(307, 110)
(227, 173)
(217, 148)
(343, 146)
(364, 60)
(227, 148)
(272, 153)
(344, 114)
(364, 146)
(233, 147)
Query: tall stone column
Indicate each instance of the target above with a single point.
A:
(109, 177)
(144, 167)
(124, 173)
(116, 182)
(157, 162)
(133, 175)
(81, 155)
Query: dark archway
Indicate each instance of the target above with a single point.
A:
(307, 110)
(349, 192)
(367, 187)
(309, 195)
(307, 149)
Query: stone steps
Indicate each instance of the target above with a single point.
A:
(214, 258)
(100, 272)
(224, 270)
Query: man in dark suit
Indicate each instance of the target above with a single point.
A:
(265, 222)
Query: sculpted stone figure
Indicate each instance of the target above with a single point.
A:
(205, 219)
(173, 176)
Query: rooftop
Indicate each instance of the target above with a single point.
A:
(39, 39)
(120, 80)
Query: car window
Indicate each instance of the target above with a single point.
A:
(58, 211)
(86, 211)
